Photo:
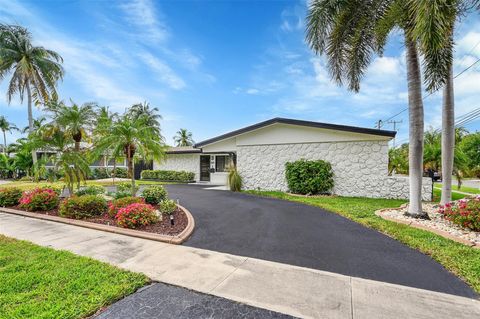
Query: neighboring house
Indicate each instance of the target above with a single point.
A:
(359, 157)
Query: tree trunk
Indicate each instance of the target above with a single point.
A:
(130, 169)
(4, 143)
(30, 119)
(415, 118)
(448, 138)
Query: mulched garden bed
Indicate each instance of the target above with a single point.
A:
(162, 227)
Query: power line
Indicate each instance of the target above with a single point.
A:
(456, 76)
(460, 121)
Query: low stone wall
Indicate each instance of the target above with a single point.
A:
(360, 168)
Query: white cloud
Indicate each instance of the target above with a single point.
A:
(385, 66)
(292, 19)
(164, 72)
(143, 15)
(252, 91)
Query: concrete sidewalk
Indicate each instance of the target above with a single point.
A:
(292, 290)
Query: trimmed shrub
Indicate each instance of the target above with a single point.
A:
(100, 173)
(120, 172)
(90, 190)
(117, 204)
(39, 199)
(10, 196)
(168, 176)
(309, 177)
(86, 206)
(167, 207)
(126, 187)
(234, 180)
(464, 212)
(154, 194)
(135, 215)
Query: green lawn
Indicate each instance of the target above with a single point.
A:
(462, 260)
(38, 282)
(465, 189)
(455, 196)
(24, 185)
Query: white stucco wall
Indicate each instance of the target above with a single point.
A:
(360, 168)
(180, 162)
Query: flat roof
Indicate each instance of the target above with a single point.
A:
(346, 128)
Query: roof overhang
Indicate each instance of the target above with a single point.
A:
(337, 127)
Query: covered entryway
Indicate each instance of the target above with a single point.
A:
(205, 168)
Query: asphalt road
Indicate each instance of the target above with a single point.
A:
(307, 236)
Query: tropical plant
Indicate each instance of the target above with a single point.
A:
(39, 199)
(35, 70)
(80, 207)
(37, 125)
(350, 33)
(154, 194)
(234, 179)
(464, 212)
(309, 177)
(74, 120)
(7, 167)
(6, 126)
(10, 196)
(167, 206)
(136, 215)
(398, 159)
(117, 204)
(183, 138)
(433, 26)
(149, 114)
(132, 136)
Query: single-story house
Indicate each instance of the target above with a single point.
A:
(359, 157)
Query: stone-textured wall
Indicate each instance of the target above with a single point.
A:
(180, 162)
(360, 168)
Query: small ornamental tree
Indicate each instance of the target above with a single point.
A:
(309, 177)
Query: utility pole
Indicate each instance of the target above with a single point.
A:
(379, 124)
(394, 128)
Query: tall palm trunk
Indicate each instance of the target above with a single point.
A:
(4, 143)
(30, 119)
(130, 168)
(415, 118)
(448, 138)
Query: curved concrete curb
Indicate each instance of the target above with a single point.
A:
(442, 233)
(177, 239)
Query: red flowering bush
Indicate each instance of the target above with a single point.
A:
(39, 199)
(464, 212)
(115, 205)
(135, 215)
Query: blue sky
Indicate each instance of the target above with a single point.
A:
(214, 66)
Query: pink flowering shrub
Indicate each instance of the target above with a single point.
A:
(115, 205)
(464, 212)
(39, 199)
(135, 215)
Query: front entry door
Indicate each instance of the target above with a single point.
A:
(205, 168)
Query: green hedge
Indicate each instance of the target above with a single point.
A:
(169, 176)
(309, 177)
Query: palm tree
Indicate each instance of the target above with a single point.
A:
(183, 138)
(37, 124)
(35, 70)
(434, 23)
(76, 121)
(151, 114)
(350, 33)
(132, 136)
(6, 126)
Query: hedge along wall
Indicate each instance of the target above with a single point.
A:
(168, 176)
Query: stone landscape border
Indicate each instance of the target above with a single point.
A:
(177, 239)
(442, 233)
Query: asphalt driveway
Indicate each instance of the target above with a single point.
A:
(307, 236)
